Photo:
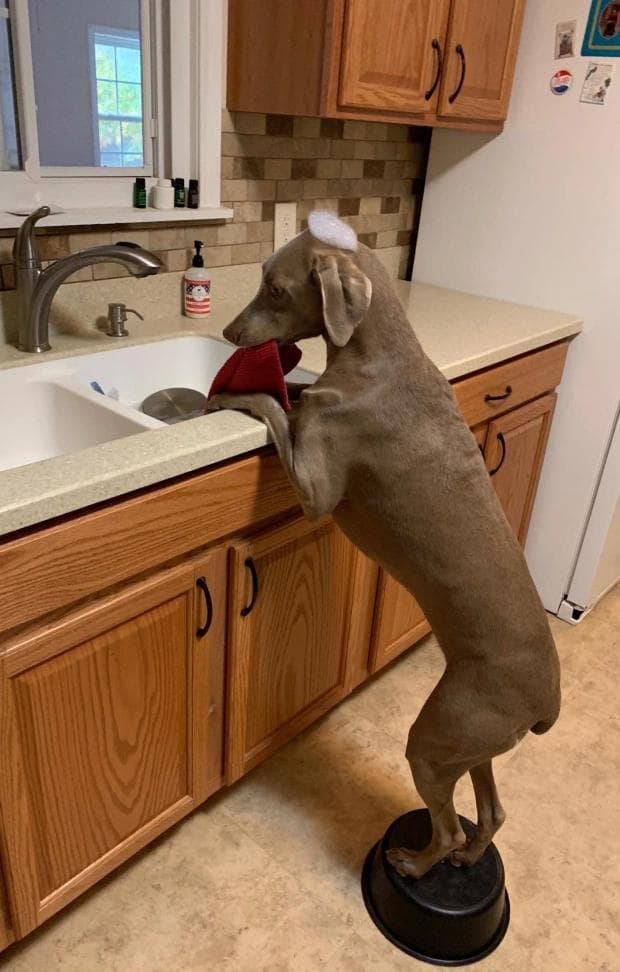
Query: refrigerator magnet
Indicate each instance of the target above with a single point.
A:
(596, 83)
(565, 39)
(561, 82)
(602, 35)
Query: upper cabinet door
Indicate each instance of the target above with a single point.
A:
(480, 55)
(392, 54)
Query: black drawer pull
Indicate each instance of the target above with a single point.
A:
(502, 442)
(201, 584)
(431, 91)
(499, 398)
(249, 563)
(457, 90)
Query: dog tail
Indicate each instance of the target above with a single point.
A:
(543, 726)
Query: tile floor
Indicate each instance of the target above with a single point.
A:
(266, 875)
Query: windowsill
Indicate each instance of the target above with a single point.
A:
(119, 215)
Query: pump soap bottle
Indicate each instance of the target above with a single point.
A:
(197, 287)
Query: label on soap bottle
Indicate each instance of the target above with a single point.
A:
(197, 297)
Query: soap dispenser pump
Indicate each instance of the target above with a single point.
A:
(197, 286)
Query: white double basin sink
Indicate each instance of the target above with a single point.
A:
(50, 408)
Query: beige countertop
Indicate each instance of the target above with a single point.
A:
(460, 333)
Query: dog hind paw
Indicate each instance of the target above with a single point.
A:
(408, 863)
(466, 856)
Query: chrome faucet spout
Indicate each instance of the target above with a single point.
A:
(36, 287)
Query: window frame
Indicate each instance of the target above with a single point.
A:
(188, 46)
(5, 15)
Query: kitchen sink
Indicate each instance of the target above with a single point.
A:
(51, 408)
(42, 419)
(131, 374)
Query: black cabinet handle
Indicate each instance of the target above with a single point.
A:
(431, 91)
(201, 584)
(249, 563)
(457, 90)
(502, 442)
(499, 398)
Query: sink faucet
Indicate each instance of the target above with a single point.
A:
(36, 287)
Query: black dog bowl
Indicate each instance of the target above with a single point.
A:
(452, 915)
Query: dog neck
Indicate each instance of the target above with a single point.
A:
(383, 334)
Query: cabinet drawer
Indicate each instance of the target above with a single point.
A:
(490, 393)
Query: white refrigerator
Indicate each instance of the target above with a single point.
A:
(533, 216)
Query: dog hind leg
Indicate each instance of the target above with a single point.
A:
(435, 783)
(491, 815)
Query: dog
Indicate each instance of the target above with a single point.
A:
(379, 443)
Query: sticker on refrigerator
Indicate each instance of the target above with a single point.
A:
(596, 83)
(602, 34)
(565, 38)
(561, 82)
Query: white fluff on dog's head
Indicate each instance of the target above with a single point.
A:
(328, 229)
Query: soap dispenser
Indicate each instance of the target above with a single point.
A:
(197, 286)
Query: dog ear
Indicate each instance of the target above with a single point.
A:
(345, 292)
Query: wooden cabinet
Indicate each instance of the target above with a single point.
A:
(121, 711)
(480, 54)
(514, 453)
(399, 622)
(289, 606)
(6, 932)
(513, 445)
(431, 62)
(390, 53)
(111, 727)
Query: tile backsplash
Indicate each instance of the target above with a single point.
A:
(371, 174)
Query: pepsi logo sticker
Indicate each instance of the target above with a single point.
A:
(561, 82)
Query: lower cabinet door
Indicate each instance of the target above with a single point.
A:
(287, 643)
(399, 622)
(105, 732)
(514, 452)
(6, 932)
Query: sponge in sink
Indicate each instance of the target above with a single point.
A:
(258, 369)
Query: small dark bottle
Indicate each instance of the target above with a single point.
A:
(193, 195)
(179, 193)
(139, 193)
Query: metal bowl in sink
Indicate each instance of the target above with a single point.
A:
(172, 405)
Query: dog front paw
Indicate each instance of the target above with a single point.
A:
(223, 400)
(214, 404)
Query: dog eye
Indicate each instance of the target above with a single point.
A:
(276, 292)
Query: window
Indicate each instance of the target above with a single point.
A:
(103, 63)
(96, 92)
(116, 76)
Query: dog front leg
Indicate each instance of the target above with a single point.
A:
(270, 411)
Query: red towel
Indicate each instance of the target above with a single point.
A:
(258, 369)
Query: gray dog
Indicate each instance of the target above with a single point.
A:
(379, 443)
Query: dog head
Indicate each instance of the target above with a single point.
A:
(311, 286)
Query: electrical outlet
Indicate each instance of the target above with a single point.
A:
(285, 224)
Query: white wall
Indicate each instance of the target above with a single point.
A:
(533, 216)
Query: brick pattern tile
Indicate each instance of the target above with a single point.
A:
(370, 173)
